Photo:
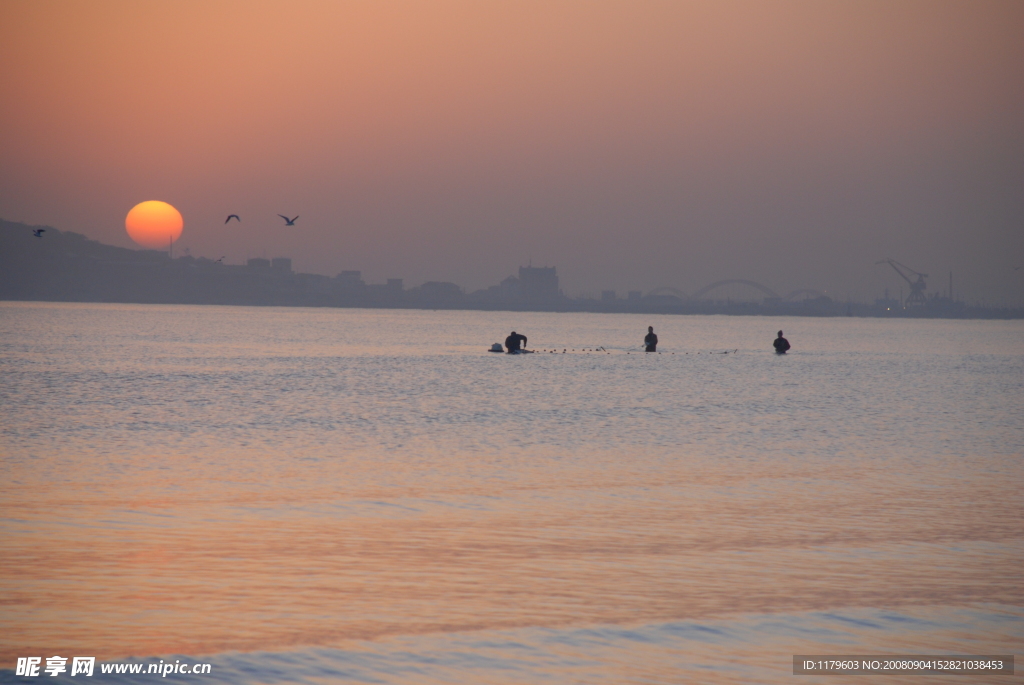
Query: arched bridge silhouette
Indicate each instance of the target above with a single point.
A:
(735, 281)
(665, 290)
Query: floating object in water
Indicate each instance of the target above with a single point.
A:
(496, 347)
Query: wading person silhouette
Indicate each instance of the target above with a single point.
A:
(650, 340)
(780, 344)
(513, 341)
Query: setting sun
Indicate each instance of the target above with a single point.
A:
(154, 224)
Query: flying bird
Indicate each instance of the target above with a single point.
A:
(38, 232)
(287, 221)
(221, 259)
(234, 216)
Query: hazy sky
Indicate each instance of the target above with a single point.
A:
(630, 144)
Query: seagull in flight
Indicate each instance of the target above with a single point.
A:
(221, 259)
(233, 216)
(287, 221)
(38, 232)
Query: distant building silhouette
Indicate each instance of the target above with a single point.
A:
(258, 263)
(350, 277)
(607, 295)
(509, 289)
(538, 282)
(348, 286)
(537, 285)
(281, 264)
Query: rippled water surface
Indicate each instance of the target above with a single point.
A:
(321, 495)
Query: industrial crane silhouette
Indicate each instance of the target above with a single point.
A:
(916, 297)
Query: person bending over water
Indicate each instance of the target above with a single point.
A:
(650, 340)
(513, 341)
(781, 344)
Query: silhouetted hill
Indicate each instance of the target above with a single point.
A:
(62, 265)
(69, 267)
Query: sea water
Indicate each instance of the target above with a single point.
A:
(369, 496)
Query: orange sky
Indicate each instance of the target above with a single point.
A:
(631, 145)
